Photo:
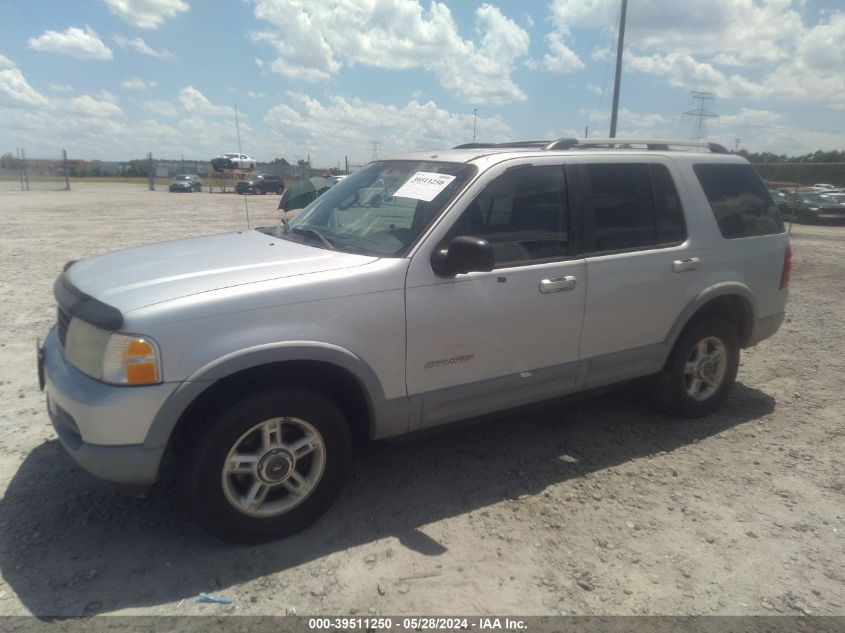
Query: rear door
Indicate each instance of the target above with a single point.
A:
(642, 266)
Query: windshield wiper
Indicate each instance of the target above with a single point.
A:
(314, 233)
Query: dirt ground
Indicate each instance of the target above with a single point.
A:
(598, 507)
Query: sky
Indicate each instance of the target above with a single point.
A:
(331, 79)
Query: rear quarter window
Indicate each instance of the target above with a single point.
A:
(740, 201)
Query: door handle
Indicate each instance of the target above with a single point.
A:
(558, 284)
(685, 265)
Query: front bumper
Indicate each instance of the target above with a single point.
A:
(102, 426)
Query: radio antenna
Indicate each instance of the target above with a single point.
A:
(240, 151)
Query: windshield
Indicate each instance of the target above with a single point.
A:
(175, 178)
(381, 209)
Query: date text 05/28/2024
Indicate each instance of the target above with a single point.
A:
(417, 624)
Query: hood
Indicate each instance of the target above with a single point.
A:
(136, 277)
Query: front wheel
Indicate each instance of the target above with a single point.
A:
(700, 371)
(269, 466)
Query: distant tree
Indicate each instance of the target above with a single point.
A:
(8, 161)
(279, 161)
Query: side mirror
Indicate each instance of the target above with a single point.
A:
(463, 255)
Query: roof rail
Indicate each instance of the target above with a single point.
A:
(629, 143)
(606, 143)
(535, 144)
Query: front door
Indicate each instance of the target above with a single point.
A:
(486, 341)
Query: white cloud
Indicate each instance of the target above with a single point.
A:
(60, 88)
(560, 58)
(752, 31)
(137, 84)
(756, 49)
(138, 45)
(314, 41)
(595, 89)
(15, 89)
(161, 108)
(90, 106)
(753, 118)
(255, 95)
(79, 43)
(146, 14)
(328, 129)
(195, 101)
(627, 117)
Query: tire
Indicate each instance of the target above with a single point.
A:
(258, 191)
(693, 384)
(279, 191)
(267, 430)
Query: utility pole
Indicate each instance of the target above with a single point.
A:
(20, 167)
(618, 79)
(701, 113)
(474, 119)
(64, 165)
(25, 173)
(238, 128)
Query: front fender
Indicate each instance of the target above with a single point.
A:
(388, 417)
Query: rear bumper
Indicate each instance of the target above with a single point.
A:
(765, 327)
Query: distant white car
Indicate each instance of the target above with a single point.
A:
(823, 185)
(232, 161)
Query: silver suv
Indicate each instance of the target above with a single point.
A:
(423, 289)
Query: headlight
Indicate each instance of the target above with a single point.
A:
(113, 357)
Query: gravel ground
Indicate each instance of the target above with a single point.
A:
(596, 507)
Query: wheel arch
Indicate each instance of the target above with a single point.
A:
(731, 301)
(328, 369)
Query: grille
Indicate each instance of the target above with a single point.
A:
(62, 321)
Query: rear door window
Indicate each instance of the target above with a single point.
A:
(739, 199)
(634, 206)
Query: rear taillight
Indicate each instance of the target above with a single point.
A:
(787, 267)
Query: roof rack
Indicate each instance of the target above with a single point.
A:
(535, 144)
(604, 143)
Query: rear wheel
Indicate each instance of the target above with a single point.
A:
(269, 466)
(257, 190)
(700, 371)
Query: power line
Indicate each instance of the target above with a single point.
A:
(701, 113)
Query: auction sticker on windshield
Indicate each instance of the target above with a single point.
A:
(424, 185)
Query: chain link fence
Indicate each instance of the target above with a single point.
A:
(19, 172)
